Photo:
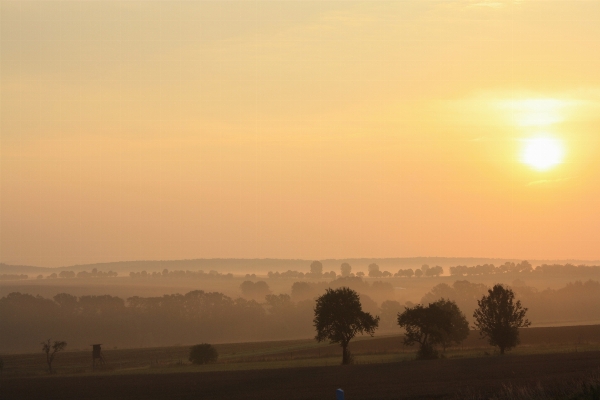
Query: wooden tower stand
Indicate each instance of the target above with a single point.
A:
(97, 358)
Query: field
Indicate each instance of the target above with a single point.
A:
(305, 369)
(446, 378)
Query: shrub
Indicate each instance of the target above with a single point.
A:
(203, 354)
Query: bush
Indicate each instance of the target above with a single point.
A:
(203, 354)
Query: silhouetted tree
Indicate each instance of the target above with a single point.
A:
(278, 303)
(203, 354)
(434, 271)
(459, 327)
(440, 322)
(51, 350)
(339, 317)
(67, 302)
(316, 268)
(330, 275)
(464, 293)
(368, 304)
(499, 318)
(302, 291)
(404, 273)
(374, 271)
(525, 266)
(255, 290)
(345, 269)
(418, 273)
(382, 289)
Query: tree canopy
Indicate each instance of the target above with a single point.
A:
(440, 323)
(316, 268)
(339, 317)
(345, 269)
(499, 318)
(255, 290)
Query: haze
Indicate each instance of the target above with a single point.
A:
(179, 130)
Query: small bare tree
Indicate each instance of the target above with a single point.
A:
(51, 350)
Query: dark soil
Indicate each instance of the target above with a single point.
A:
(444, 378)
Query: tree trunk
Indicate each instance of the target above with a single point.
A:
(345, 355)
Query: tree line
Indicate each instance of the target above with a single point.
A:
(524, 267)
(196, 316)
(339, 318)
(316, 272)
(199, 316)
(94, 273)
(181, 274)
(374, 271)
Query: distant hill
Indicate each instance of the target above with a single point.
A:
(24, 269)
(262, 266)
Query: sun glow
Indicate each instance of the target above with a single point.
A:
(542, 153)
(536, 111)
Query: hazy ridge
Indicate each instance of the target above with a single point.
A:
(243, 266)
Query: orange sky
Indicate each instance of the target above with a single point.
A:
(170, 130)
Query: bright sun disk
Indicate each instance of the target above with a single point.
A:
(542, 153)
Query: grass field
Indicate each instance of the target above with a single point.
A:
(478, 377)
(291, 354)
(566, 352)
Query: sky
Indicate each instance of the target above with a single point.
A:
(298, 129)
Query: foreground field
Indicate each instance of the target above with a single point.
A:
(445, 378)
(384, 368)
(290, 354)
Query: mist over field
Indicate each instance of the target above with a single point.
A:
(147, 304)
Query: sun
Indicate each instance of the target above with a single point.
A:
(542, 153)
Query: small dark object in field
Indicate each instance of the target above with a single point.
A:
(203, 354)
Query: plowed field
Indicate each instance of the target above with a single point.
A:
(444, 378)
